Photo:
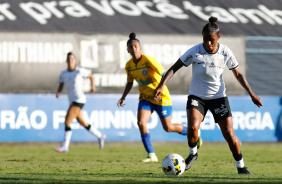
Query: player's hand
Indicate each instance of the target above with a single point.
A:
(57, 95)
(157, 94)
(92, 90)
(120, 103)
(257, 101)
(157, 99)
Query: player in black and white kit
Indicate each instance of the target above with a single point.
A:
(72, 78)
(207, 90)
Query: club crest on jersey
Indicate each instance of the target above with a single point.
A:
(195, 102)
(145, 72)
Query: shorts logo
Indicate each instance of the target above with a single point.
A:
(195, 102)
(222, 110)
(145, 72)
(164, 112)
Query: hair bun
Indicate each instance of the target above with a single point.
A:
(212, 20)
(132, 36)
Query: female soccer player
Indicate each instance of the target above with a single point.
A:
(207, 90)
(73, 78)
(148, 73)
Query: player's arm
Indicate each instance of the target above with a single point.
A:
(92, 81)
(158, 91)
(242, 80)
(59, 90)
(127, 89)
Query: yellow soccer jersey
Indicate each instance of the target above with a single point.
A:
(147, 74)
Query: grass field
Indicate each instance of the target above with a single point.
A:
(120, 163)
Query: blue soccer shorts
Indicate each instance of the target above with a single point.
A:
(162, 111)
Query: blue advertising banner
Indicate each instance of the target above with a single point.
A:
(40, 118)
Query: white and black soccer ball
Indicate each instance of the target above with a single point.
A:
(173, 164)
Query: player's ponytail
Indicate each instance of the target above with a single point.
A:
(132, 37)
(211, 27)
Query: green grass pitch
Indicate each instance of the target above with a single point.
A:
(120, 163)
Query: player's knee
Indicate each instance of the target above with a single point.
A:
(192, 129)
(141, 124)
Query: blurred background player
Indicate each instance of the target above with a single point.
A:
(207, 90)
(72, 77)
(148, 73)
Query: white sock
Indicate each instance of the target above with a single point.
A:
(67, 139)
(95, 132)
(240, 163)
(193, 151)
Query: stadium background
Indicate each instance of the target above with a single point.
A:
(36, 35)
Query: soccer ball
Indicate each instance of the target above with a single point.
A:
(173, 164)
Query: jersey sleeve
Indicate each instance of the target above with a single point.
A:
(187, 57)
(84, 72)
(156, 66)
(231, 63)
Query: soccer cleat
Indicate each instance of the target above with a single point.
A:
(189, 161)
(199, 143)
(101, 141)
(243, 170)
(61, 149)
(151, 158)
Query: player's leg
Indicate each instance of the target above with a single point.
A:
(101, 137)
(221, 111)
(196, 111)
(226, 126)
(164, 113)
(72, 113)
(228, 133)
(143, 116)
(194, 119)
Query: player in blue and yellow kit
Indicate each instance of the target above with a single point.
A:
(148, 73)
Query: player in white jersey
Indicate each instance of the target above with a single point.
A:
(72, 78)
(207, 90)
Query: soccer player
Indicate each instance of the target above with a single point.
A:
(148, 73)
(207, 90)
(72, 77)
